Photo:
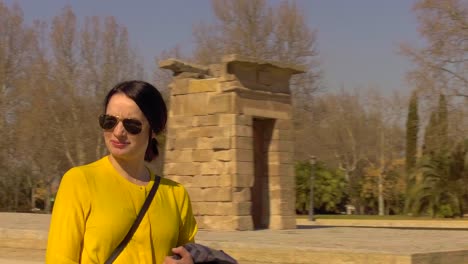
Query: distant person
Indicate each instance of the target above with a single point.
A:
(96, 204)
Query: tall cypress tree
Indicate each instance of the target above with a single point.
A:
(430, 135)
(412, 126)
(442, 126)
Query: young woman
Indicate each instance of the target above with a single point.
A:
(96, 204)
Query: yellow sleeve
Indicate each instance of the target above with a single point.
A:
(188, 228)
(67, 226)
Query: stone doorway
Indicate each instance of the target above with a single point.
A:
(262, 133)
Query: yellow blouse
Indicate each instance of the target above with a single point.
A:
(95, 207)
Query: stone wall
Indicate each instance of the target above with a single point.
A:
(210, 143)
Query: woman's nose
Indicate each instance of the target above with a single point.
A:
(119, 129)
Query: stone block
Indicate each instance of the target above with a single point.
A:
(186, 181)
(209, 131)
(242, 180)
(179, 86)
(221, 143)
(222, 208)
(182, 168)
(240, 167)
(264, 108)
(190, 104)
(220, 103)
(278, 222)
(282, 194)
(280, 157)
(283, 170)
(175, 156)
(278, 181)
(242, 142)
(179, 121)
(215, 70)
(199, 132)
(244, 155)
(242, 208)
(185, 143)
(204, 143)
(241, 131)
(234, 155)
(230, 223)
(227, 119)
(203, 181)
(214, 143)
(282, 134)
(205, 120)
(278, 145)
(230, 86)
(235, 119)
(203, 85)
(214, 168)
(201, 155)
(284, 124)
(284, 208)
(224, 155)
(215, 194)
(241, 194)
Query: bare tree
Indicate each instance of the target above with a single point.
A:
(16, 54)
(354, 133)
(281, 32)
(443, 63)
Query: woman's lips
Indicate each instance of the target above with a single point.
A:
(118, 144)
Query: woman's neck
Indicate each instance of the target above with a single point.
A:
(134, 171)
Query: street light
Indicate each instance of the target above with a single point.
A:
(312, 161)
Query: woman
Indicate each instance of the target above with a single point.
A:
(97, 203)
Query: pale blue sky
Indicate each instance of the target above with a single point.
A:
(358, 39)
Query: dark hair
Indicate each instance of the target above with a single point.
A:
(150, 102)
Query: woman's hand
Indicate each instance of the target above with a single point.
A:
(185, 257)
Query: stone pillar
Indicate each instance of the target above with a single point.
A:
(209, 145)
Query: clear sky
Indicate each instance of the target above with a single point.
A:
(358, 39)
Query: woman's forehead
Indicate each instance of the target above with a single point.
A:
(123, 106)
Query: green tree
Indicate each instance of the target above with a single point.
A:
(412, 126)
(329, 188)
(442, 126)
(435, 195)
(430, 135)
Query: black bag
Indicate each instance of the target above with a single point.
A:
(203, 254)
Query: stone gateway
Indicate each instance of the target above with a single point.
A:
(230, 142)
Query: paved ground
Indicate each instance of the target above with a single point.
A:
(316, 242)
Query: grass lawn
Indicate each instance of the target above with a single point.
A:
(377, 217)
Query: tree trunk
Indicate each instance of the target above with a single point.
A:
(381, 198)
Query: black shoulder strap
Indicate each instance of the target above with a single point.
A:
(137, 222)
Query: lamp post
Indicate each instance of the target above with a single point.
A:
(311, 186)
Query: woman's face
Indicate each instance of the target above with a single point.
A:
(120, 143)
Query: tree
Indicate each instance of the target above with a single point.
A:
(70, 67)
(353, 132)
(436, 133)
(16, 54)
(442, 126)
(442, 63)
(253, 28)
(329, 188)
(436, 194)
(430, 135)
(412, 127)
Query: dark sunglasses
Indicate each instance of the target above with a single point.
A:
(108, 122)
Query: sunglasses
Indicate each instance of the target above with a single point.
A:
(108, 122)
